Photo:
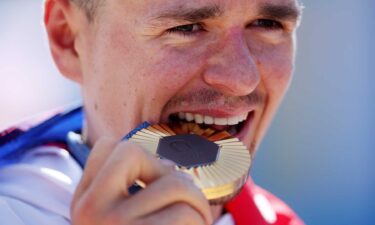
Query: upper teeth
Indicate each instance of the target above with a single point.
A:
(199, 118)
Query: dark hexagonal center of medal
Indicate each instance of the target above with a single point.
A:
(188, 150)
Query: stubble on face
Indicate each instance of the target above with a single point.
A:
(138, 70)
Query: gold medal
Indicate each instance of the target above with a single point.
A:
(218, 162)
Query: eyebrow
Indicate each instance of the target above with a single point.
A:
(281, 12)
(191, 14)
(184, 13)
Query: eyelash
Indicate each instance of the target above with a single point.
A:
(180, 29)
(267, 24)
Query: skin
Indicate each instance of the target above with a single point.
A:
(134, 66)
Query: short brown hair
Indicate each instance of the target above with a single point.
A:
(89, 6)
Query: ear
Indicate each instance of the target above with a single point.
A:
(61, 24)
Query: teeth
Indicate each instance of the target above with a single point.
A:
(189, 117)
(244, 116)
(221, 121)
(232, 120)
(208, 120)
(181, 115)
(199, 118)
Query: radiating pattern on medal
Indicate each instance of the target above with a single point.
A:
(218, 162)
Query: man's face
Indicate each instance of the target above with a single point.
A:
(213, 61)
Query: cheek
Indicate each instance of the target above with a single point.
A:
(111, 87)
(141, 77)
(172, 69)
(275, 64)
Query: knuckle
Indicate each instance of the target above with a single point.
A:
(113, 217)
(146, 222)
(183, 208)
(132, 150)
(168, 164)
(105, 140)
(186, 215)
(180, 183)
(84, 211)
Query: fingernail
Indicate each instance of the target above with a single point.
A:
(167, 162)
(187, 176)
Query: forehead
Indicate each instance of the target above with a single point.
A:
(228, 2)
(151, 5)
(221, 3)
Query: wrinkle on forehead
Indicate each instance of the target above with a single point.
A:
(194, 11)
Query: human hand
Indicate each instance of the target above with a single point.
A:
(102, 195)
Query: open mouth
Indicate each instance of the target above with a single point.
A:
(185, 122)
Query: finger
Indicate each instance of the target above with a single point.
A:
(98, 155)
(175, 214)
(127, 164)
(170, 189)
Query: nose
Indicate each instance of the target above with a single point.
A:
(231, 69)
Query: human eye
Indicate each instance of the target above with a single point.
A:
(267, 24)
(186, 30)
